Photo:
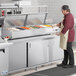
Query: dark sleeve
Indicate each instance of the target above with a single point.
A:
(67, 24)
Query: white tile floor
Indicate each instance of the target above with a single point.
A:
(45, 67)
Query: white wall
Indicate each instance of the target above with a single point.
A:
(5, 1)
(54, 8)
(33, 2)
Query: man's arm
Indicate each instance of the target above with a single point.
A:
(57, 25)
(67, 25)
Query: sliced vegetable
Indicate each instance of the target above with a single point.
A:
(38, 26)
(25, 27)
(48, 25)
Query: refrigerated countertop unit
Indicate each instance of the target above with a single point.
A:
(32, 39)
